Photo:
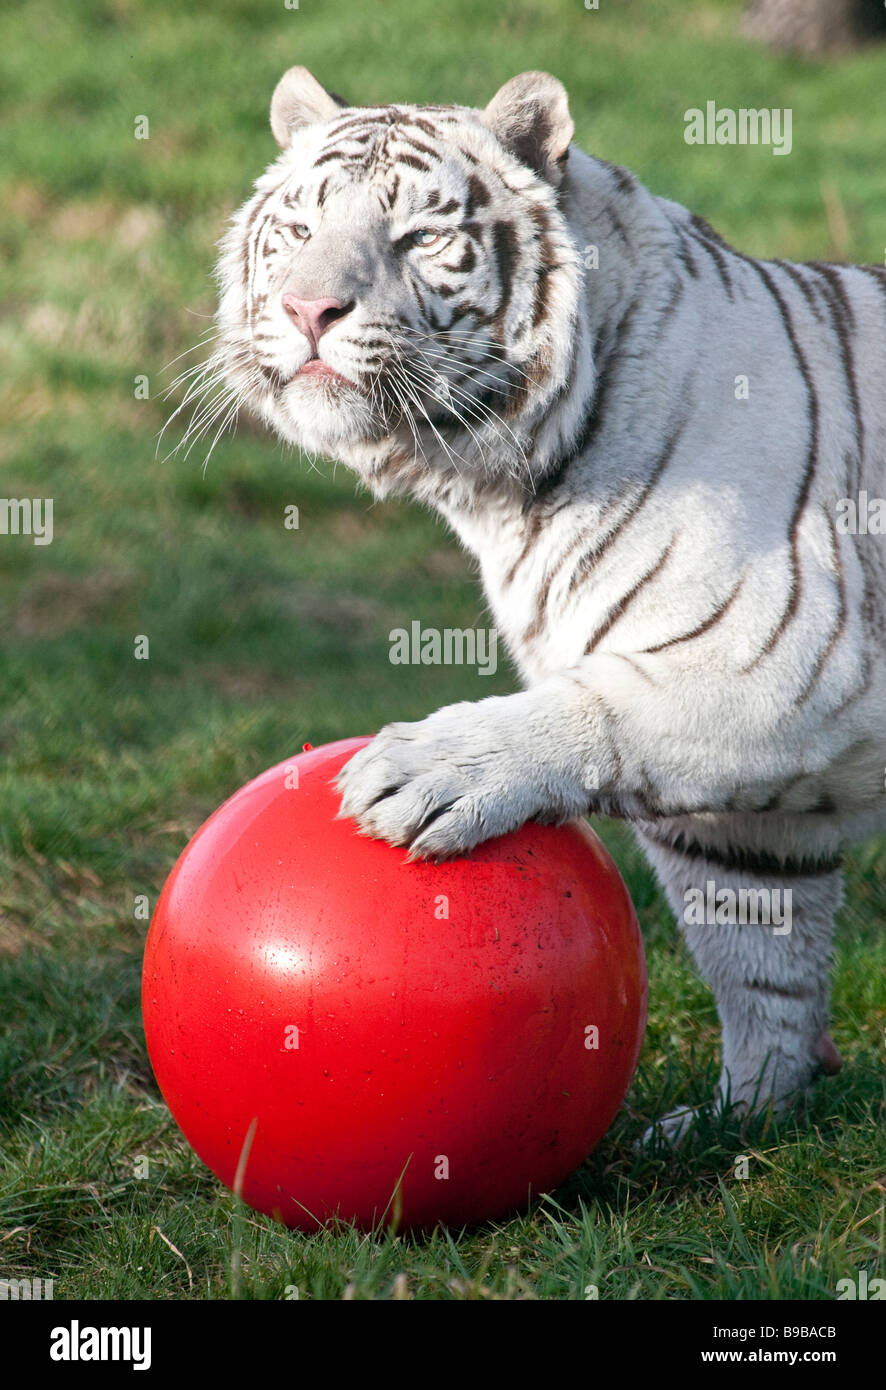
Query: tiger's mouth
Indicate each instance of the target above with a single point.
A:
(318, 370)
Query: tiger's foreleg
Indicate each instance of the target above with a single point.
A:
(593, 738)
(770, 978)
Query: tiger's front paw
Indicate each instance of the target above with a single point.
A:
(445, 784)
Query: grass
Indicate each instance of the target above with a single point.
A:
(262, 638)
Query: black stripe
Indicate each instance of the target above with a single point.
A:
(618, 226)
(404, 139)
(685, 254)
(840, 624)
(779, 990)
(426, 126)
(712, 245)
(593, 420)
(541, 296)
(860, 690)
(478, 195)
(844, 327)
(740, 859)
(636, 666)
(505, 250)
(711, 234)
(675, 297)
(293, 198)
(361, 119)
(330, 156)
(393, 190)
(413, 163)
(774, 801)
(832, 293)
(814, 412)
(533, 526)
(794, 271)
(627, 599)
(541, 598)
(705, 626)
(624, 179)
(593, 555)
(253, 216)
(831, 275)
(877, 273)
(467, 262)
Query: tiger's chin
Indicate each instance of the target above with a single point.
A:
(323, 417)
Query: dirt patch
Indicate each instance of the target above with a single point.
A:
(83, 221)
(56, 603)
(446, 564)
(350, 528)
(100, 219)
(248, 682)
(25, 201)
(138, 226)
(347, 613)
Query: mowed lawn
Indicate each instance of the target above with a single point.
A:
(262, 638)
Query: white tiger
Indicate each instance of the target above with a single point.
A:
(643, 437)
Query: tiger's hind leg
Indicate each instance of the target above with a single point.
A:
(770, 982)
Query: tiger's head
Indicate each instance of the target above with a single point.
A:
(401, 291)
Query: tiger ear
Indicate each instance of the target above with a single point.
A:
(530, 116)
(299, 100)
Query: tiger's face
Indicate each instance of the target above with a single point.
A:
(402, 282)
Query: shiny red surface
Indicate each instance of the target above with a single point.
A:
(421, 1037)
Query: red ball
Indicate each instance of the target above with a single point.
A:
(383, 1039)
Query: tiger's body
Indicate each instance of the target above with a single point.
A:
(642, 436)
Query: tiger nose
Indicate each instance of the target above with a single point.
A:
(312, 317)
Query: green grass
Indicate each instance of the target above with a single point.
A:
(262, 638)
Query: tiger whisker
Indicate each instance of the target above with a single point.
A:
(406, 394)
(207, 377)
(414, 396)
(205, 412)
(201, 369)
(480, 344)
(406, 413)
(480, 412)
(222, 405)
(459, 404)
(472, 371)
(198, 391)
(466, 405)
(230, 420)
(207, 338)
